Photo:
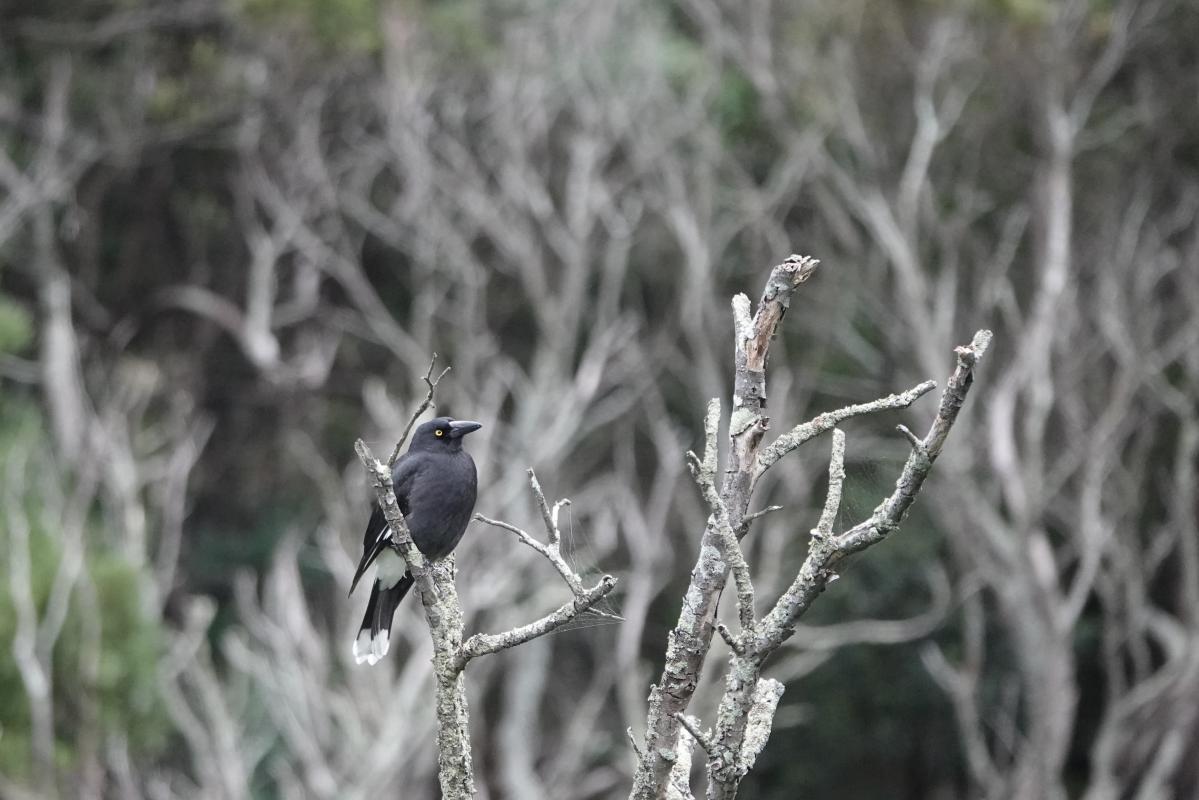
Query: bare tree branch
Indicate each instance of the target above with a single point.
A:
(836, 479)
(818, 567)
(481, 644)
(704, 473)
(761, 719)
(739, 734)
(584, 598)
(809, 430)
(689, 641)
(425, 405)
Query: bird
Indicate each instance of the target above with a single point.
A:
(435, 485)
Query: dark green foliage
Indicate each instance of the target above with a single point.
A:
(16, 326)
(347, 26)
(104, 665)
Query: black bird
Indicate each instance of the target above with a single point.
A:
(435, 484)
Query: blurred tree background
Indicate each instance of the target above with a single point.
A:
(232, 232)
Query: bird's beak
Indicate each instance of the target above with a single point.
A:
(461, 427)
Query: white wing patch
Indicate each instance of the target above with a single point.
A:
(390, 568)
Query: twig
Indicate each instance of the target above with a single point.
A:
(633, 741)
(565, 501)
(482, 644)
(826, 552)
(763, 512)
(550, 518)
(691, 725)
(425, 405)
(550, 552)
(836, 479)
(732, 641)
(888, 515)
(584, 598)
(912, 438)
(809, 430)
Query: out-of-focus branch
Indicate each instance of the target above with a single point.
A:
(61, 363)
(830, 638)
(121, 24)
(189, 687)
(36, 675)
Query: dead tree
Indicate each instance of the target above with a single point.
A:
(747, 707)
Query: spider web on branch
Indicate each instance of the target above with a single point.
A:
(577, 550)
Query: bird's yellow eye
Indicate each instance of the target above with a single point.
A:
(439, 433)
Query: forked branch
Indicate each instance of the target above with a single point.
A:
(747, 707)
(584, 598)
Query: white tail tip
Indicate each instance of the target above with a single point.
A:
(370, 649)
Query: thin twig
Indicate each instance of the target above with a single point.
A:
(912, 438)
(565, 501)
(811, 429)
(761, 513)
(550, 518)
(551, 552)
(482, 644)
(888, 515)
(425, 405)
(827, 551)
(690, 724)
(732, 641)
(584, 598)
(836, 479)
(633, 741)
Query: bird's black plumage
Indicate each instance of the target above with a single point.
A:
(435, 485)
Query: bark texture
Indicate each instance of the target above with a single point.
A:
(688, 642)
(746, 709)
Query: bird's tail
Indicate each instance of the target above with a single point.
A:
(375, 632)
